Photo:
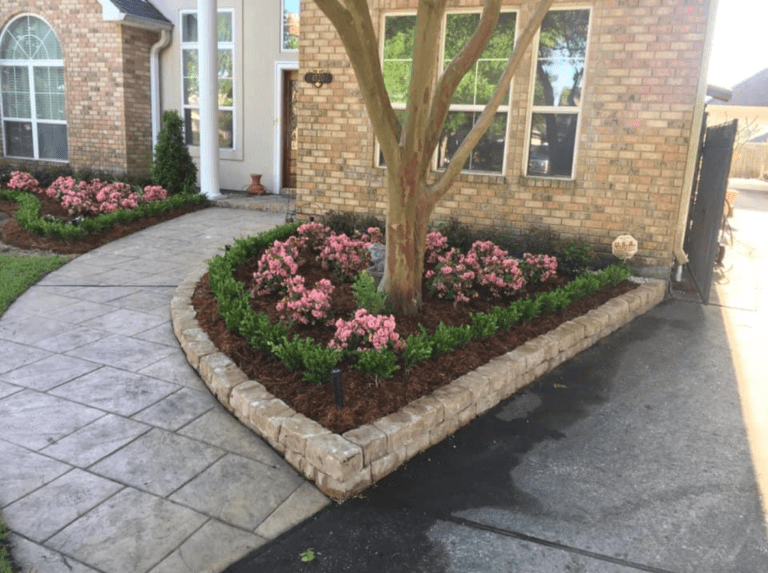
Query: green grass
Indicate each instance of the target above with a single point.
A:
(5, 565)
(19, 272)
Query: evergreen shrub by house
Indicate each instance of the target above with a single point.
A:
(173, 168)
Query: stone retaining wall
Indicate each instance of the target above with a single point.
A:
(344, 465)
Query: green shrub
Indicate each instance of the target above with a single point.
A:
(377, 364)
(173, 167)
(418, 347)
(318, 363)
(573, 256)
(367, 296)
(348, 223)
(484, 325)
(446, 339)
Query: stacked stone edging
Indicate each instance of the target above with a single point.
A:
(344, 465)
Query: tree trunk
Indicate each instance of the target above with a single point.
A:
(407, 224)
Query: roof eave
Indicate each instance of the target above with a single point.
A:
(111, 13)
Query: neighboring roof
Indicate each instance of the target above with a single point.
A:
(140, 13)
(753, 91)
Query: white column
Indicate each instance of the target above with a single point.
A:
(207, 35)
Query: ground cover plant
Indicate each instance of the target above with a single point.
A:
(289, 333)
(5, 563)
(75, 216)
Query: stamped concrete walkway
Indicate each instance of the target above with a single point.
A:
(114, 457)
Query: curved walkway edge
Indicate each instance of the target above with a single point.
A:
(344, 465)
(115, 457)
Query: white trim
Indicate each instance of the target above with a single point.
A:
(578, 111)
(277, 166)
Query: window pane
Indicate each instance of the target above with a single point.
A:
(458, 30)
(189, 27)
(15, 84)
(225, 129)
(552, 143)
(503, 40)
(49, 93)
(190, 72)
(562, 51)
(18, 139)
(291, 24)
(225, 64)
(488, 155)
(488, 74)
(398, 56)
(224, 27)
(225, 92)
(192, 127)
(52, 141)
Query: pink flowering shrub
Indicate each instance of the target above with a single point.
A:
(305, 306)
(366, 332)
(371, 236)
(344, 256)
(277, 264)
(97, 197)
(495, 269)
(314, 235)
(22, 181)
(436, 245)
(452, 278)
(539, 268)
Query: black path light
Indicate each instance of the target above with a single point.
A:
(336, 378)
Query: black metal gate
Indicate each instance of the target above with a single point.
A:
(707, 202)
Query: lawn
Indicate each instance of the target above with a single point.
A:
(19, 272)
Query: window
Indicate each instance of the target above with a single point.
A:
(190, 79)
(472, 94)
(33, 96)
(290, 25)
(557, 90)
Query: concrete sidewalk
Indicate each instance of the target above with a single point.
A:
(115, 457)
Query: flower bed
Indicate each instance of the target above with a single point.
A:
(344, 463)
(93, 207)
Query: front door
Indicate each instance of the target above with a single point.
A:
(290, 130)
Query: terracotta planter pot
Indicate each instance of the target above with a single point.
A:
(256, 187)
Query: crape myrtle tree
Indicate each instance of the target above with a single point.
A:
(408, 146)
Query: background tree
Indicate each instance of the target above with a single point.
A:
(408, 148)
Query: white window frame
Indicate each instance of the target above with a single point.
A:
(559, 110)
(283, 25)
(30, 65)
(224, 152)
(477, 108)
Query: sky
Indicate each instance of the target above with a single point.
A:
(740, 47)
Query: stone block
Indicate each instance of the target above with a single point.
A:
(429, 409)
(301, 465)
(453, 398)
(196, 344)
(618, 309)
(635, 303)
(344, 489)
(567, 335)
(419, 444)
(245, 393)
(266, 417)
(488, 401)
(603, 319)
(372, 440)
(497, 372)
(295, 431)
(443, 430)
(400, 428)
(467, 415)
(384, 466)
(591, 325)
(184, 321)
(476, 383)
(221, 376)
(333, 455)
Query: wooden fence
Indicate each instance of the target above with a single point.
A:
(750, 161)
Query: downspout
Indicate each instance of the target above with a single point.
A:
(154, 82)
(681, 258)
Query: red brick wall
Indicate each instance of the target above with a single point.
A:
(106, 68)
(639, 95)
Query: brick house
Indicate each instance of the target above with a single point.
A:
(598, 138)
(112, 67)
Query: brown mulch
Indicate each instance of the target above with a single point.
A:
(364, 401)
(14, 235)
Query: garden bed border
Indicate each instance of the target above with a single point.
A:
(344, 465)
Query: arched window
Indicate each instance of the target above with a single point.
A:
(33, 99)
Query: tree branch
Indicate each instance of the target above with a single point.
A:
(355, 28)
(427, 41)
(455, 72)
(443, 184)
